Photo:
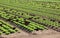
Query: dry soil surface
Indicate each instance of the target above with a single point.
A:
(37, 34)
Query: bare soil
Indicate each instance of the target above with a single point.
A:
(37, 34)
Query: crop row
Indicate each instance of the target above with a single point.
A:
(33, 4)
(38, 19)
(6, 28)
(50, 15)
(41, 9)
(27, 25)
(19, 22)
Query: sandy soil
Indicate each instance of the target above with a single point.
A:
(37, 34)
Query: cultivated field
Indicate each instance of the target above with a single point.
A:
(29, 19)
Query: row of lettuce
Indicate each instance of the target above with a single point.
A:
(10, 14)
(21, 22)
(6, 28)
(49, 13)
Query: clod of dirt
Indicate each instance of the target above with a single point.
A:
(26, 22)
